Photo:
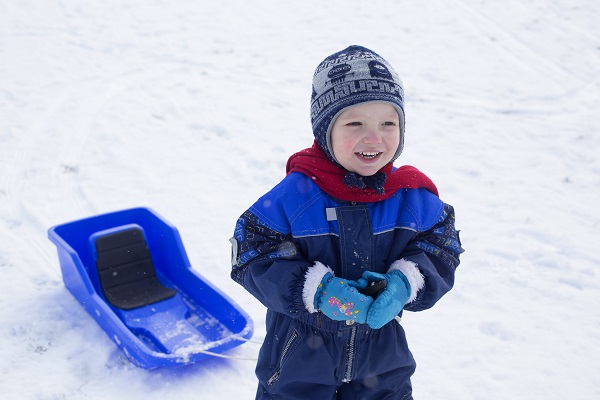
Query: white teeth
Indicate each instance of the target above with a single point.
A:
(368, 154)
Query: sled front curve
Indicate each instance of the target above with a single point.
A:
(131, 273)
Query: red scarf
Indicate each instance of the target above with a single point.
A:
(313, 162)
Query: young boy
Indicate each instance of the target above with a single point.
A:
(342, 220)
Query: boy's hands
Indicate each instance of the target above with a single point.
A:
(390, 301)
(340, 300)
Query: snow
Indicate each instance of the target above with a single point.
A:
(192, 108)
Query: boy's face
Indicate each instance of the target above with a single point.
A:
(365, 137)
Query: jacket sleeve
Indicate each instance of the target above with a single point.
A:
(436, 253)
(268, 264)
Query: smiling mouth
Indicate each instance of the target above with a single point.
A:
(368, 154)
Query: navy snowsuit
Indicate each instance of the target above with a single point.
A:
(309, 356)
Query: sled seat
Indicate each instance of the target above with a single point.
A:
(126, 271)
(128, 280)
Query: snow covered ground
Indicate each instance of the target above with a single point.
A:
(192, 108)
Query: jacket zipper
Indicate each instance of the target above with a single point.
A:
(351, 343)
(277, 373)
(350, 359)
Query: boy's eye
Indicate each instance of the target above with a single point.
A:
(389, 123)
(356, 123)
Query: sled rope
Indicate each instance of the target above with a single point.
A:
(242, 339)
(210, 353)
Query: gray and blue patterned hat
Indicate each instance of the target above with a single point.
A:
(349, 77)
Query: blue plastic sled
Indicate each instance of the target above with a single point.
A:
(130, 271)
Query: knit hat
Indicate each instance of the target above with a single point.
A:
(349, 77)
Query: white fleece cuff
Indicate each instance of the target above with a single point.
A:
(312, 279)
(412, 273)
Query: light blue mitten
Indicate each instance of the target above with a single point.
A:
(391, 300)
(340, 300)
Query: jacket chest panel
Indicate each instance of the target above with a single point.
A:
(356, 240)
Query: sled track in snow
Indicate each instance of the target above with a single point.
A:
(31, 166)
(523, 53)
(23, 222)
(64, 127)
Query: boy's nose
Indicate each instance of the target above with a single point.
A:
(372, 136)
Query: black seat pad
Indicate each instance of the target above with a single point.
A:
(126, 271)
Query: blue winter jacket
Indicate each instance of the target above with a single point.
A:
(296, 224)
